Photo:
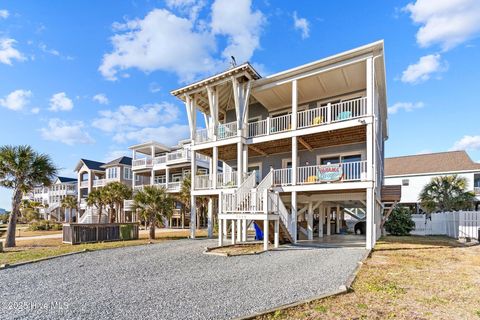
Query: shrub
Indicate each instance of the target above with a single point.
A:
(400, 222)
(45, 225)
(126, 231)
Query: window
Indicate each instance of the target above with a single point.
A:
(176, 177)
(112, 173)
(127, 173)
(405, 182)
(330, 160)
(160, 180)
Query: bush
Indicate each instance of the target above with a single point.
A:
(45, 225)
(126, 231)
(400, 222)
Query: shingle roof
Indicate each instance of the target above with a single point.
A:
(66, 179)
(122, 160)
(450, 161)
(93, 165)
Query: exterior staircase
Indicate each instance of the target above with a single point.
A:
(251, 199)
(91, 216)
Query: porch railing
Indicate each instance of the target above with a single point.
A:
(203, 182)
(227, 179)
(159, 160)
(83, 184)
(350, 171)
(145, 162)
(349, 109)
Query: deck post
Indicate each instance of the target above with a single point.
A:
(214, 167)
(329, 225)
(276, 235)
(369, 219)
(310, 220)
(239, 230)
(265, 233)
(209, 217)
(293, 125)
(220, 232)
(233, 232)
(239, 163)
(294, 216)
(337, 219)
(322, 220)
(244, 230)
(193, 216)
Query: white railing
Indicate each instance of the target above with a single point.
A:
(226, 130)
(202, 135)
(99, 182)
(240, 201)
(227, 179)
(282, 177)
(174, 186)
(349, 109)
(280, 124)
(265, 184)
(177, 155)
(83, 184)
(351, 171)
(476, 190)
(258, 128)
(312, 117)
(127, 205)
(145, 162)
(203, 181)
(159, 160)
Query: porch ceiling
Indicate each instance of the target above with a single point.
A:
(314, 141)
(351, 78)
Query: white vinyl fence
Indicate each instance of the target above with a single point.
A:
(459, 224)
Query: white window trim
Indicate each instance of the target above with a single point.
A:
(340, 155)
(259, 165)
(286, 160)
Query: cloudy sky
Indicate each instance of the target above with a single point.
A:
(88, 79)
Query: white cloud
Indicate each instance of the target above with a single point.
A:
(16, 100)
(45, 49)
(467, 143)
(160, 41)
(154, 87)
(101, 98)
(184, 46)
(128, 118)
(240, 24)
(167, 135)
(407, 106)
(445, 22)
(60, 102)
(4, 14)
(67, 133)
(8, 52)
(190, 7)
(301, 24)
(423, 69)
(35, 110)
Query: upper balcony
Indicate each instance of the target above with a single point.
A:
(171, 158)
(319, 116)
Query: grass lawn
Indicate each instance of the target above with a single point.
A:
(41, 248)
(406, 278)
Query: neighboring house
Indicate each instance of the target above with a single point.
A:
(158, 165)
(415, 171)
(50, 197)
(94, 174)
(314, 136)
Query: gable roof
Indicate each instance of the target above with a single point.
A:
(90, 164)
(127, 161)
(66, 179)
(450, 161)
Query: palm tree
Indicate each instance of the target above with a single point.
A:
(115, 193)
(446, 193)
(70, 203)
(22, 168)
(184, 196)
(153, 204)
(96, 199)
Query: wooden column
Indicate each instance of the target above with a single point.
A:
(214, 167)
(233, 232)
(220, 232)
(294, 105)
(239, 163)
(277, 234)
(322, 220)
(337, 219)
(266, 234)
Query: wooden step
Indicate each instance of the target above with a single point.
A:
(283, 234)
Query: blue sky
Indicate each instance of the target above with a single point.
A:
(88, 79)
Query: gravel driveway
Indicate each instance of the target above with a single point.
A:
(171, 280)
